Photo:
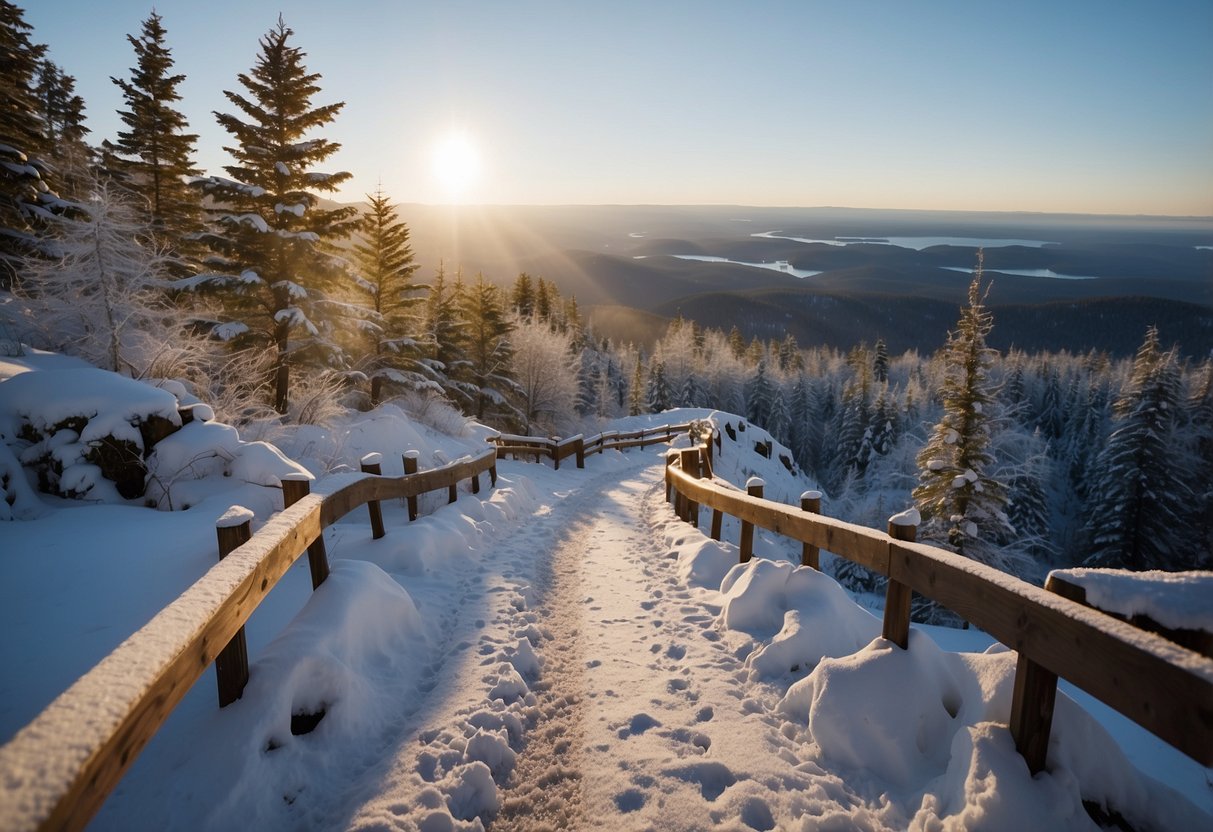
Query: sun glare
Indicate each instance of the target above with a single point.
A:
(456, 164)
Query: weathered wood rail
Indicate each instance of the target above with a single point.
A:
(58, 770)
(557, 449)
(1160, 685)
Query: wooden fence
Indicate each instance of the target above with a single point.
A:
(1165, 688)
(556, 449)
(58, 770)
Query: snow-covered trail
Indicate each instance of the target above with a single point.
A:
(633, 713)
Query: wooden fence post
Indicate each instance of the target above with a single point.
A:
(579, 446)
(233, 529)
(688, 459)
(372, 464)
(1032, 701)
(294, 488)
(754, 487)
(897, 596)
(810, 501)
(475, 483)
(669, 483)
(410, 467)
(493, 474)
(554, 451)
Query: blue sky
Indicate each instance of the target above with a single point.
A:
(1100, 107)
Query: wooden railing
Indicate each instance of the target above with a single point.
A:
(1165, 688)
(556, 449)
(58, 770)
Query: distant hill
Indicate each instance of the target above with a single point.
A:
(618, 261)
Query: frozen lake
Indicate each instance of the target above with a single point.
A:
(1028, 273)
(916, 243)
(781, 266)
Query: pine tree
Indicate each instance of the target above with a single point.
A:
(443, 331)
(152, 156)
(543, 300)
(736, 342)
(25, 194)
(523, 295)
(1137, 514)
(880, 361)
(962, 504)
(63, 121)
(1201, 408)
(636, 402)
(486, 337)
(657, 395)
(384, 260)
(760, 396)
(270, 228)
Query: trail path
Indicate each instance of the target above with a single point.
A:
(628, 708)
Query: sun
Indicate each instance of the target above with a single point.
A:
(456, 164)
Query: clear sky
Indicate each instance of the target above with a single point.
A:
(1103, 106)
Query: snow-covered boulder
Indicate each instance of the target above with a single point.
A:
(85, 432)
(90, 434)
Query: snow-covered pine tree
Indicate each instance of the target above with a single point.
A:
(801, 434)
(759, 393)
(880, 361)
(636, 400)
(442, 330)
(522, 296)
(779, 421)
(153, 155)
(486, 341)
(1139, 512)
(657, 395)
(385, 268)
(270, 228)
(1200, 406)
(851, 435)
(962, 504)
(26, 197)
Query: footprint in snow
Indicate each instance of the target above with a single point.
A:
(712, 778)
(630, 800)
(756, 814)
(637, 725)
(675, 651)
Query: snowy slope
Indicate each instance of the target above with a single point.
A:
(562, 651)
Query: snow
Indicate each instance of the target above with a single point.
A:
(253, 220)
(560, 649)
(909, 517)
(233, 517)
(48, 398)
(228, 331)
(1177, 600)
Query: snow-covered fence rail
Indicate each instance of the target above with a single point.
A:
(539, 447)
(58, 770)
(1160, 685)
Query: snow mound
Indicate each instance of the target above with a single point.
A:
(1178, 600)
